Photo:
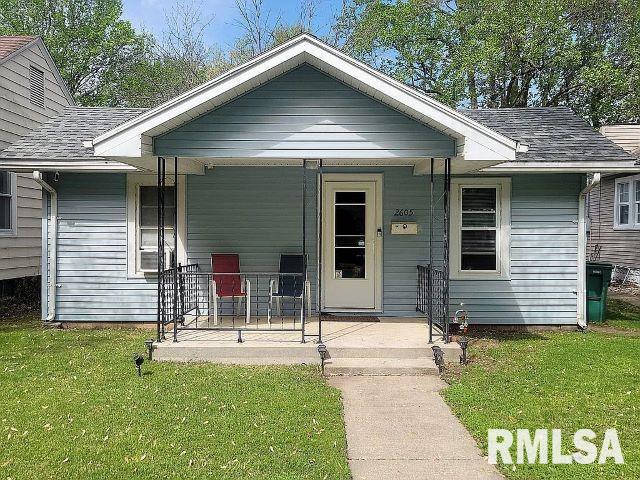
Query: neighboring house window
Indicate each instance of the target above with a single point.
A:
(142, 223)
(480, 227)
(627, 203)
(8, 204)
(36, 80)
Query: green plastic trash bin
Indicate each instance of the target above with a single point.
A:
(598, 279)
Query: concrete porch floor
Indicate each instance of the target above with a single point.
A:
(391, 346)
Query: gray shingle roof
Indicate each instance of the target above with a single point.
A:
(552, 133)
(62, 137)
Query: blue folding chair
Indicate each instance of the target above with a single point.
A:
(292, 286)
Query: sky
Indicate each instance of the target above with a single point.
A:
(150, 16)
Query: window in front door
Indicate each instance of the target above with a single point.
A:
(349, 231)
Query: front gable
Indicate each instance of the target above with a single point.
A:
(477, 146)
(304, 113)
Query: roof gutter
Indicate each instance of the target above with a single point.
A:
(581, 316)
(53, 256)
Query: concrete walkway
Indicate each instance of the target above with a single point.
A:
(399, 427)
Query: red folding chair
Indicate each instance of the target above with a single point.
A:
(227, 282)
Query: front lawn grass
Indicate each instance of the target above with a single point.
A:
(73, 407)
(553, 380)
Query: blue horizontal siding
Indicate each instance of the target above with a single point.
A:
(544, 253)
(92, 253)
(304, 114)
(256, 212)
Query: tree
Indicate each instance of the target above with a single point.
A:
(181, 60)
(86, 38)
(263, 31)
(506, 53)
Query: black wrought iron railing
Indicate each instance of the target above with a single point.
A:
(431, 298)
(243, 302)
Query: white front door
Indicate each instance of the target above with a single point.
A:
(352, 243)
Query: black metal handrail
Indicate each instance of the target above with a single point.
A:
(431, 298)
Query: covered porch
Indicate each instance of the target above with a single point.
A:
(299, 254)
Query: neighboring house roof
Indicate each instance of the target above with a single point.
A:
(62, 140)
(475, 142)
(626, 135)
(553, 135)
(12, 45)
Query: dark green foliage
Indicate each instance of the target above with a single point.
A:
(506, 53)
(89, 42)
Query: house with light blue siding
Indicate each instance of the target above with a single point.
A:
(399, 205)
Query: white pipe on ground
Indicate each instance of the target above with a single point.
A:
(581, 316)
(53, 255)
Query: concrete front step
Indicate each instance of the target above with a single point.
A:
(452, 352)
(381, 352)
(237, 353)
(389, 360)
(380, 366)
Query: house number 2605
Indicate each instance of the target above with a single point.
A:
(403, 212)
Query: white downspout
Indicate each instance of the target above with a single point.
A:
(53, 255)
(582, 252)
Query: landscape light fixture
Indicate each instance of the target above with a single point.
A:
(322, 351)
(149, 344)
(138, 360)
(464, 343)
(438, 358)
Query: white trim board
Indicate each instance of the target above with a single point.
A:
(476, 142)
(563, 167)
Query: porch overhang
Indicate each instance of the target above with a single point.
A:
(477, 146)
(198, 166)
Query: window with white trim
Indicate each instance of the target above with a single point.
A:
(8, 203)
(142, 223)
(480, 226)
(627, 203)
(147, 226)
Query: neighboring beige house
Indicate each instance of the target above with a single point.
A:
(31, 92)
(614, 211)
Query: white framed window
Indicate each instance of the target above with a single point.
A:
(8, 204)
(142, 223)
(480, 228)
(626, 213)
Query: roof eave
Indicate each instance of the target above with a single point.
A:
(602, 166)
